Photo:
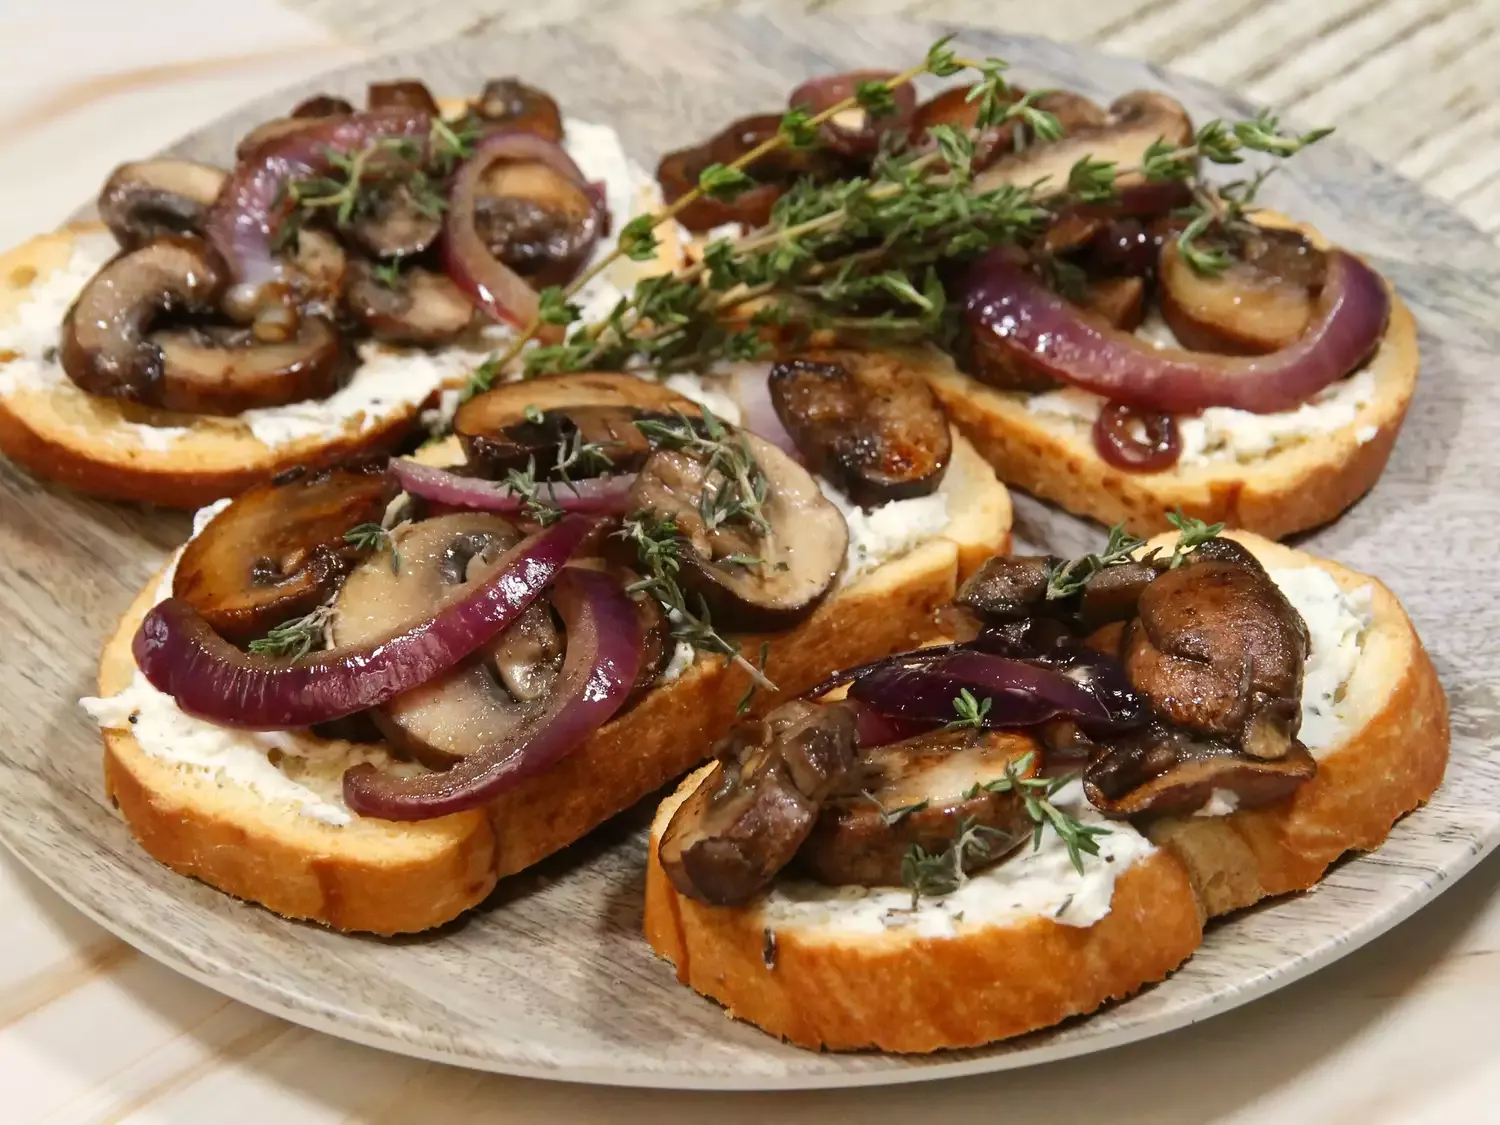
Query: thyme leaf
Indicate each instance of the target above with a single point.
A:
(1036, 795)
(1191, 534)
(1071, 577)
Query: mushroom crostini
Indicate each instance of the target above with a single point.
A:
(947, 842)
(348, 272)
(489, 650)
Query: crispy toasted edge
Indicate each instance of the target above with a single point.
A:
(897, 991)
(1296, 488)
(366, 876)
(1389, 764)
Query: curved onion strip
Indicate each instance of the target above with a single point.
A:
(603, 658)
(495, 288)
(208, 677)
(752, 390)
(875, 728)
(1050, 335)
(1021, 693)
(600, 495)
(1115, 439)
(242, 223)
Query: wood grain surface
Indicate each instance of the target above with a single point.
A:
(551, 978)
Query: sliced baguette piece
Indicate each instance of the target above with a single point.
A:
(1388, 762)
(393, 878)
(1295, 487)
(102, 446)
(834, 987)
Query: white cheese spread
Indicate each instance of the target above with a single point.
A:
(388, 380)
(1026, 884)
(1222, 434)
(1221, 802)
(1336, 625)
(281, 767)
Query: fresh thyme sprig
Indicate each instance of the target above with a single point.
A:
(971, 712)
(891, 817)
(1191, 533)
(524, 484)
(932, 874)
(1036, 794)
(749, 697)
(1072, 576)
(741, 494)
(656, 545)
(294, 638)
(373, 537)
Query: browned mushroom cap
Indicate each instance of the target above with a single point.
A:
(1261, 303)
(147, 199)
(483, 700)
(750, 577)
(318, 272)
(498, 433)
(403, 93)
(1135, 122)
(865, 421)
(510, 103)
(104, 349)
(225, 370)
(953, 107)
(396, 222)
(1162, 770)
(918, 793)
(278, 551)
(537, 221)
(748, 817)
(322, 105)
(409, 306)
(1120, 301)
(1219, 651)
(1014, 587)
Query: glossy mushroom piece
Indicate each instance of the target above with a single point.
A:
(407, 306)
(1219, 653)
(487, 697)
(402, 93)
(279, 550)
(751, 813)
(506, 427)
(539, 222)
(396, 222)
(751, 576)
(1262, 302)
(864, 421)
(918, 793)
(511, 104)
(150, 199)
(1011, 588)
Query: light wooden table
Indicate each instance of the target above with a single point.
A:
(1399, 1033)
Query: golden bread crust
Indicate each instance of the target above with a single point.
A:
(896, 991)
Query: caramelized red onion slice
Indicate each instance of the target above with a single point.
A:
(1048, 334)
(1156, 450)
(495, 288)
(208, 677)
(243, 221)
(1021, 692)
(603, 657)
(600, 495)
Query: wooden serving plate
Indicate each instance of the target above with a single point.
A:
(552, 978)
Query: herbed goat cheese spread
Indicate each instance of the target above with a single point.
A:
(388, 380)
(1029, 882)
(281, 767)
(1222, 434)
(1337, 622)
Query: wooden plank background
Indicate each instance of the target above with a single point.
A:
(1415, 82)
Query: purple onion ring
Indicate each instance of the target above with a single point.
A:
(598, 495)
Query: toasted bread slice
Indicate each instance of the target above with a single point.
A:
(390, 878)
(828, 983)
(1388, 759)
(1298, 485)
(124, 451)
